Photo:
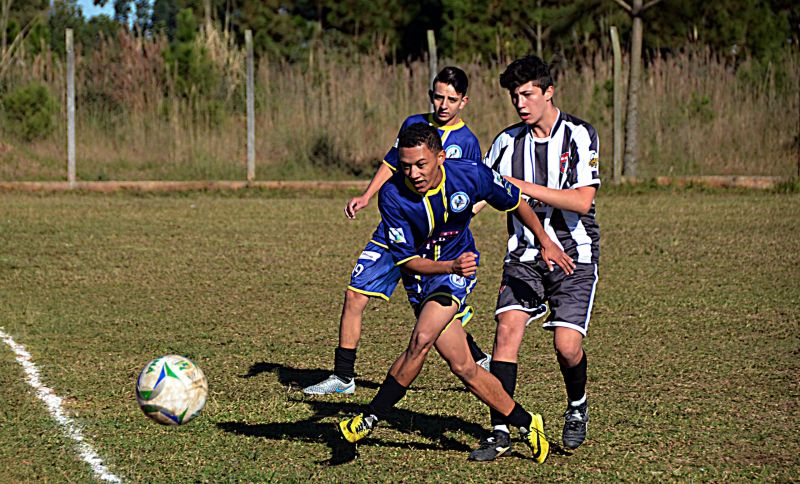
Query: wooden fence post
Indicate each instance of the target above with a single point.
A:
(433, 60)
(251, 123)
(616, 175)
(70, 109)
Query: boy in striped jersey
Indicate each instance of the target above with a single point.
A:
(552, 157)
(375, 274)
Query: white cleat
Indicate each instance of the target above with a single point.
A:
(332, 384)
(485, 361)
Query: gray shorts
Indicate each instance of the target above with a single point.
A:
(525, 286)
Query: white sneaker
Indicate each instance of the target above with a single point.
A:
(485, 361)
(332, 384)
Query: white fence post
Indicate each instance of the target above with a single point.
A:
(251, 123)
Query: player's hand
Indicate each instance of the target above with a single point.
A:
(465, 265)
(355, 205)
(552, 254)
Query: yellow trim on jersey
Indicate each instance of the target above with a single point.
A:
(390, 166)
(432, 121)
(437, 251)
(406, 260)
(467, 311)
(382, 246)
(519, 199)
(369, 293)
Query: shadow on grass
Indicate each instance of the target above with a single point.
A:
(298, 377)
(301, 378)
(431, 427)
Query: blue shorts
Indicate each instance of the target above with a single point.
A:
(375, 273)
(449, 286)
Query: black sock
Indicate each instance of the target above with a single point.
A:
(507, 374)
(475, 350)
(519, 417)
(344, 363)
(575, 380)
(387, 397)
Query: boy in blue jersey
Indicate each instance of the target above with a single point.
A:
(426, 211)
(375, 274)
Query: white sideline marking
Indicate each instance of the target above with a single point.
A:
(53, 402)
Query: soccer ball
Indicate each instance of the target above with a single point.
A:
(171, 390)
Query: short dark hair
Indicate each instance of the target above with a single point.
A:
(453, 76)
(419, 134)
(524, 70)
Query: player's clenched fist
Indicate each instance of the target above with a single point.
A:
(465, 265)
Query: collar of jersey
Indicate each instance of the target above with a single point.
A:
(432, 191)
(432, 122)
(552, 128)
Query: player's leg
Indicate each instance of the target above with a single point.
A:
(432, 320)
(452, 345)
(571, 306)
(518, 303)
(374, 275)
(411, 284)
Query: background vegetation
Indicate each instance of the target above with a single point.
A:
(160, 86)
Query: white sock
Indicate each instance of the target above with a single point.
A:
(578, 402)
(502, 428)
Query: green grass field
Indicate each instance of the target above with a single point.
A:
(693, 347)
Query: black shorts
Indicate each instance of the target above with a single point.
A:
(527, 285)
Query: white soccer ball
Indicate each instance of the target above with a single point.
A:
(171, 390)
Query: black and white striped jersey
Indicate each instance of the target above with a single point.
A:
(566, 160)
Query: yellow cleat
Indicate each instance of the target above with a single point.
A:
(535, 439)
(356, 428)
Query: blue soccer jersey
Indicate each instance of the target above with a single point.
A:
(458, 140)
(436, 225)
(375, 273)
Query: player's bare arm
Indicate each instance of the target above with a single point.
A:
(551, 252)
(577, 200)
(355, 204)
(465, 265)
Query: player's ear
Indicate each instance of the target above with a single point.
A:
(464, 101)
(440, 157)
(549, 92)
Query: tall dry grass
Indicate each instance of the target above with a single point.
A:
(699, 115)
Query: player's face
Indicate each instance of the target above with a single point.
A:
(447, 104)
(530, 102)
(421, 166)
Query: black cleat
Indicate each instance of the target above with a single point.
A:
(576, 420)
(492, 447)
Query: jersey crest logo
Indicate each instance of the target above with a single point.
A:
(396, 235)
(370, 255)
(593, 159)
(453, 151)
(564, 159)
(459, 201)
(458, 281)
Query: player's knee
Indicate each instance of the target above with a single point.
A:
(465, 368)
(509, 336)
(420, 345)
(355, 301)
(569, 352)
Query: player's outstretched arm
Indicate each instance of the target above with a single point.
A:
(577, 200)
(355, 204)
(551, 252)
(465, 265)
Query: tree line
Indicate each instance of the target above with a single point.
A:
(467, 30)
